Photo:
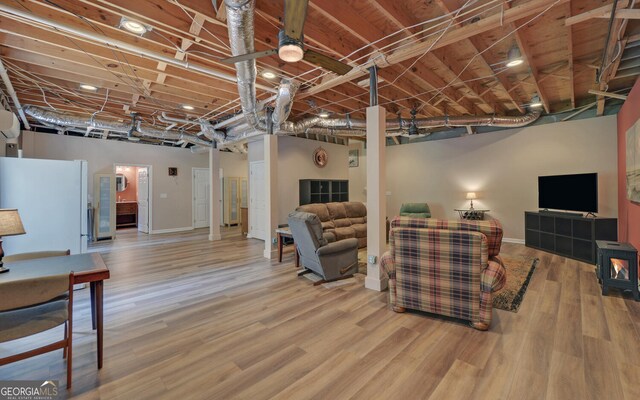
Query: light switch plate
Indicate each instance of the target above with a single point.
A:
(163, 195)
(372, 259)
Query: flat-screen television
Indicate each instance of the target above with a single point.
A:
(577, 192)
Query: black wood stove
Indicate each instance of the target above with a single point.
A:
(618, 267)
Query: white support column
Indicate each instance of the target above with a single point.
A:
(214, 202)
(271, 195)
(376, 197)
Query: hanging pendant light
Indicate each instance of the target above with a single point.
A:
(514, 57)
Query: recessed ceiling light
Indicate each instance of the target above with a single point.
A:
(187, 107)
(134, 26)
(323, 114)
(514, 57)
(268, 74)
(88, 87)
(514, 63)
(535, 102)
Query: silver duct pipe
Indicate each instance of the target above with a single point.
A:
(12, 94)
(284, 100)
(346, 125)
(165, 119)
(61, 119)
(118, 44)
(142, 130)
(239, 136)
(241, 38)
(405, 123)
(73, 120)
(206, 128)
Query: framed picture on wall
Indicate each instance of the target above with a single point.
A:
(353, 158)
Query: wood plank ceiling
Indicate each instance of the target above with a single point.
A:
(443, 60)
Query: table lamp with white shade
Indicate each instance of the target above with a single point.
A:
(10, 225)
(471, 196)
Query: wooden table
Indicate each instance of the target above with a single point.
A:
(87, 268)
(286, 233)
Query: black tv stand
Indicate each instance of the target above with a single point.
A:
(567, 234)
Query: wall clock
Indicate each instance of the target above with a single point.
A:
(320, 157)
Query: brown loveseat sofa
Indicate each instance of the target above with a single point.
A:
(341, 220)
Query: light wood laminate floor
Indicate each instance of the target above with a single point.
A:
(186, 318)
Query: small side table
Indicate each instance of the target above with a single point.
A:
(474, 215)
(286, 233)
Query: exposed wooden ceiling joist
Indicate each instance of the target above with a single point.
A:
(459, 72)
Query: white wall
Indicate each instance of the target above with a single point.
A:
(502, 168)
(234, 164)
(255, 150)
(172, 212)
(295, 162)
(358, 175)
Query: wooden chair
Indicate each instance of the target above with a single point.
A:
(35, 305)
(36, 254)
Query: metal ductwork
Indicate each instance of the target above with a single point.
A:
(240, 23)
(61, 119)
(151, 132)
(240, 15)
(394, 127)
(241, 37)
(206, 128)
(284, 100)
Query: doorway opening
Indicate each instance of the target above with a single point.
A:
(133, 200)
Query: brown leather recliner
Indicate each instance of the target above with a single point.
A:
(341, 220)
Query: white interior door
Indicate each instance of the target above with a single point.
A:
(234, 206)
(221, 178)
(200, 197)
(257, 199)
(143, 199)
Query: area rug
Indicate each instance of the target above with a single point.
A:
(519, 272)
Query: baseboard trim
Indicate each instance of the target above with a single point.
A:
(378, 284)
(270, 254)
(512, 240)
(216, 236)
(172, 230)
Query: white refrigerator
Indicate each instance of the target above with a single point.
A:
(51, 197)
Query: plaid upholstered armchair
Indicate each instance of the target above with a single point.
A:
(445, 267)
